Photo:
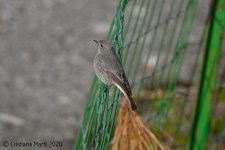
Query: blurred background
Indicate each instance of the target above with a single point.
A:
(46, 53)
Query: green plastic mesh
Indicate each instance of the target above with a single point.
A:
(152, 39)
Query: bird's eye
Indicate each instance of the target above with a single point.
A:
(101, 45)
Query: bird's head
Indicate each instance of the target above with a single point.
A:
(103, 46)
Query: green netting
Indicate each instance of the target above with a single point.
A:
(152, 39)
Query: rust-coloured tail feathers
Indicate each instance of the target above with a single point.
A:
(125, 92)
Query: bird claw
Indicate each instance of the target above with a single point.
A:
(106, 89)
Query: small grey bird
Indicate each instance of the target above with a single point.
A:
(109, 70)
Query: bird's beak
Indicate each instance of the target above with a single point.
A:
(95, 41)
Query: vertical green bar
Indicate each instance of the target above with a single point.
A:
(213, 41)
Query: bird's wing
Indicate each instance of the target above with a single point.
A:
(122, 78)
(112, 64)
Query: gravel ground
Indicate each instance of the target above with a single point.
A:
(46, 53)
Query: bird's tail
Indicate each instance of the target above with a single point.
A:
(128, 97)
(133, 105)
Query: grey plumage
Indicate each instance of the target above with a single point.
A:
(110, 71)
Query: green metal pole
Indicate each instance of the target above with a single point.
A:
(213, 41)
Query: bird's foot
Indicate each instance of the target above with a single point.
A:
(106, 89)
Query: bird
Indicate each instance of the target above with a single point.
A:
(109, 69)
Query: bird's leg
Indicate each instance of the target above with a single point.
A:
(106, 88)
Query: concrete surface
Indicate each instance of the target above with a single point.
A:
(46, 53)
